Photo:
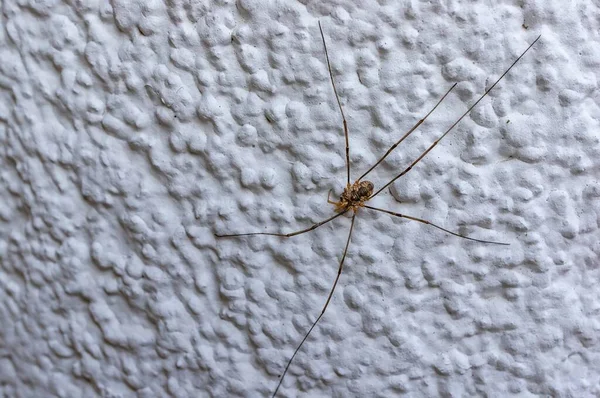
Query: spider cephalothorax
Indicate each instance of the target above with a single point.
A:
(354, 196)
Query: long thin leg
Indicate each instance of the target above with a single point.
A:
(340, 106)
(409, 132)
(317, 225)
(434, 225)
(337, 278)
(455, 123)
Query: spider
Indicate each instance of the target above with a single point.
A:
(356, 195)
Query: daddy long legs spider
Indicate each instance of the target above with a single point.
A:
(356, 195)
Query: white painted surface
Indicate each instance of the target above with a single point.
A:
(131, 132)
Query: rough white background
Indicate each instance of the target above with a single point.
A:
(132, 131)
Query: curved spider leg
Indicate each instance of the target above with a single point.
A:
(331, 202)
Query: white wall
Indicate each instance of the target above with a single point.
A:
(131, 132)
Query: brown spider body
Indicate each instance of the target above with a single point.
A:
(354, 196)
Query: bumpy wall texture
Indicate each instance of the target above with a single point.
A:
(133, 131)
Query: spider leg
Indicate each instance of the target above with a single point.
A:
(434, 225)
(455, 123)
(329, 199)
(409, 132)
(288, 235)
(340, 106)
(337, 278)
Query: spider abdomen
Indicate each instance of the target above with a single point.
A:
(355, 195)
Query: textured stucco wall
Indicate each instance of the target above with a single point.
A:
(132, 131)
